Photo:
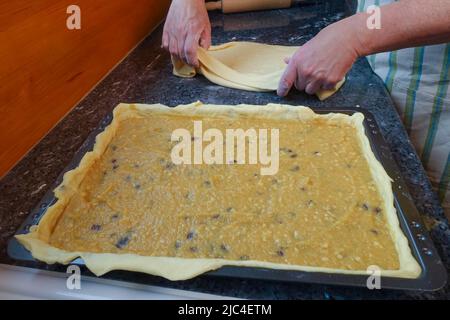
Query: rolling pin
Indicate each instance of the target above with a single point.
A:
(230, 6)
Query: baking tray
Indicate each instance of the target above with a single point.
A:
(433, 276)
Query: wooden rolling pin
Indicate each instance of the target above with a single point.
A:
(230, 6)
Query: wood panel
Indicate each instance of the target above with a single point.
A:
(45, 68)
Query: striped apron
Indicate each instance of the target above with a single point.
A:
(418, 80)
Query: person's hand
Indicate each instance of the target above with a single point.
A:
(187, 26)
(323, 61)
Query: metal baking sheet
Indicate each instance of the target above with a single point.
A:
(433, 276)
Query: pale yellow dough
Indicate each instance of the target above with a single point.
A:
(175, 268)
(247, 66)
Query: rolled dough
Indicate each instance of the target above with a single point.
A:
(244, 65)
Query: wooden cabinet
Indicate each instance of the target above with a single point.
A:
(45, 68)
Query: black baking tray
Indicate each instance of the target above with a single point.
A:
(433, 276)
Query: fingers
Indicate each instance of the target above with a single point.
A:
(185, 47)
(287, 80)
(313, 86)
(181, 41)
(294, 77)
(329, 85)
(205, 38)
(309, 80)
(177, 48)
(300, 83)
(165, 41)
(190, 50)
(173, 47)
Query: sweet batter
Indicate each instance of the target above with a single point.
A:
(322, 209)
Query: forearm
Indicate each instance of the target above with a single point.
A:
(403, 24)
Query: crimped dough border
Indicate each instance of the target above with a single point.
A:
(173, 268)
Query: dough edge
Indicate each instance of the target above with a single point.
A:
(174, 268)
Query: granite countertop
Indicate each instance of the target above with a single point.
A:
(145, 77)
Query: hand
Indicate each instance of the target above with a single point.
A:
(323, 61)
(187, 26)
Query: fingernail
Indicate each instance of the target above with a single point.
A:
(281, 92)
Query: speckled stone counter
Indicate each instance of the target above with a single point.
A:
(145, 77)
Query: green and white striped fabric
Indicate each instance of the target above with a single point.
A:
(418, 80)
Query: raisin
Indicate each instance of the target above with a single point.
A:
(190, 196)
(178, 244)
(294, 155)
(280, 253)
(365, 206)
(377, 210)
(375, 232)
(96, 227)
(123, 241)
(191, 235)
(224, 247)
(170, 165)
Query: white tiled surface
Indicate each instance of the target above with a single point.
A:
(27, 283)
